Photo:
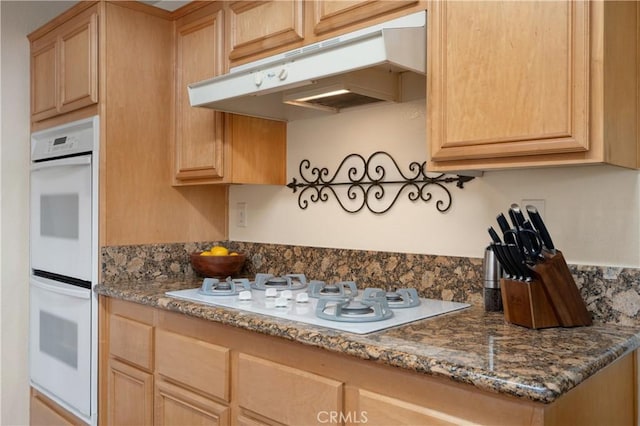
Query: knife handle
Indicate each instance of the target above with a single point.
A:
(494, 235)
(504, 227)
(538, 223)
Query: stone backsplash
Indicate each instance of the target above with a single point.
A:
(612, 294)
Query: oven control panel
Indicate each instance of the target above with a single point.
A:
(66, 140)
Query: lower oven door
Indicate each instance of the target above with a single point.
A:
(60, 342)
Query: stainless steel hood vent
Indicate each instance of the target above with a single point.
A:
(355, 69)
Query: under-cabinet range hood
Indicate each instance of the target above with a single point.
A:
(354, 69)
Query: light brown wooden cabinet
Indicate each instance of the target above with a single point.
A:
(331, 15)
(64, 65)
(45, 412)
(208, 373)
(199, 139)
(258, 29)
(515, 84)
(175, 405)
(211, 146)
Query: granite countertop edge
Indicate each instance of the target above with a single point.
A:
(364, 347)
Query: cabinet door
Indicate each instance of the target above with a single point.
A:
(301, 395)
(376, 409)
(177, 406)
(257, 26)
(330, 15)
(199, 365)
(131, 341)
(44, 98)
(130, 395)
(507, 79)
(78, 62)
(199, 131)
(44, 412)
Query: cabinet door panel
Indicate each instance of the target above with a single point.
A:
(257, 26)
(333, 15)
(43, 79)
(130, 395)
(201, 365)
(507, 78)
(307, 394)
(79, 63)
(177, 406)
(199, 131)
(131, 341)
(376, 409)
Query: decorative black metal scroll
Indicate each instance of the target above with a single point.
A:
(365, 184)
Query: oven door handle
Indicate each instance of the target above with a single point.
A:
(72, 292)
(71, 161)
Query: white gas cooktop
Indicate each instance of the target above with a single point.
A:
(305, 312)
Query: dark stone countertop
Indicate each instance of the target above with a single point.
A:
(469, 346)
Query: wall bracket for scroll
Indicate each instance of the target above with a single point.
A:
(358, 183)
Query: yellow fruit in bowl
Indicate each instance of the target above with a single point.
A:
(219, 251)
(233, 253)
(206, 253)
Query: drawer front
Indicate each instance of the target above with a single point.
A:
(200, 365)
(302, 396)
(131, 341)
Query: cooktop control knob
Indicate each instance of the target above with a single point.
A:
(287, 294)
(271, 292)
(302, 297)
(244, 295)
(257, 78)
(283, 74)
(281, 302)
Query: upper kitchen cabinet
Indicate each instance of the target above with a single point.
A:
(258, 29)
(210, 146)
(64, 64)
(259, 26)
(199, 131)
(340, 15)
(515, 84)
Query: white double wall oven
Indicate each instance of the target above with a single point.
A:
(64, 265)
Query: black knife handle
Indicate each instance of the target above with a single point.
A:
(508, 268)
(494, 235)
(517, 217)
(504, 227)
(518, 261)
(538, 223)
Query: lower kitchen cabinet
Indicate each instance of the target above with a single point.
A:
(175, 405)
(207, 373)
(45, 412)
(305, 394)
(130, 398)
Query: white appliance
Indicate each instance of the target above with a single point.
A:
(64, 265)
(354, 69)
(308, 304)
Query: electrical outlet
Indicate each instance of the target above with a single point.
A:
(242, 215)
(537, 203)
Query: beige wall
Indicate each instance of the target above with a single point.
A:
(18, 19)
(592, 211)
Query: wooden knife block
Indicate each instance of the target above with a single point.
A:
(551, 299)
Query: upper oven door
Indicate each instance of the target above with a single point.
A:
(61, 217)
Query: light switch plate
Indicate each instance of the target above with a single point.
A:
(242, 215)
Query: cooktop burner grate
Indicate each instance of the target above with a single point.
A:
(341, 289)
(284, 282)
(228, 287)
(398, 299)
